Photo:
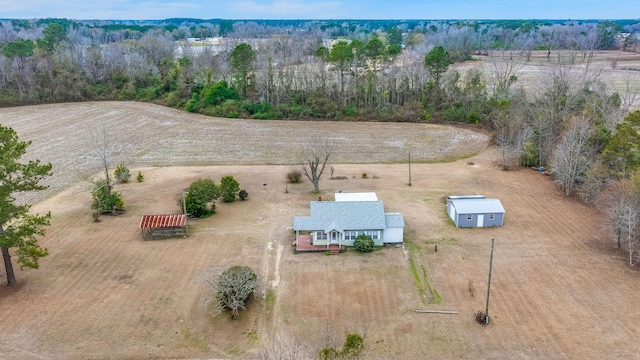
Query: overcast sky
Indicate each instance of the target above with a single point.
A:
(321, 9)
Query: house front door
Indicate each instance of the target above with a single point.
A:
(480, 220)
(334, 237)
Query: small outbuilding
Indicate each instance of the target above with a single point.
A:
(475, 211)
(361, 196)
(163, 226)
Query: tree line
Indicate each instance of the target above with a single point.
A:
(298, 69)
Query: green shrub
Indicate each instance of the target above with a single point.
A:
(193, 105)
(453, 114)
(201, 197)
(328, 353)
(140, 177)
(292, 110)
(230, 106)
(351, 110)
(122, 174)
(363, 243)
(242, 194)
(353, 346)
(147, 94)
(218, 93)
(351, 349)
(197, 208)
(529, 155)
(294, 176)
(174, 99)
(264, 111)
(229, 187)
(105, 201)
(473, 117)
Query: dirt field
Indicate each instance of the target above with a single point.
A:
(152, 135)
(558, 290)
(619, 70)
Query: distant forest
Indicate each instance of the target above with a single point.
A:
(299, 69)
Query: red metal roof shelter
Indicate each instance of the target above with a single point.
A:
(159, 226)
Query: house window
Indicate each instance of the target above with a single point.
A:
(321, 235)
(372, 234)
(469, 217)
(350, 235)
(492, 216)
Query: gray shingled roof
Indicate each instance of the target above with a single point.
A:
(394, 220)
(331, 215)
(478, 206)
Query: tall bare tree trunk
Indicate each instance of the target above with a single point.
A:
(8, 266)
(314, 157)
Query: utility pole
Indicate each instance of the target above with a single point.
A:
(486, 313)
(184, 208)
(184, 202)
(409, 166)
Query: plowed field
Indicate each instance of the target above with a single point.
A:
(150, 135)
(559, 291)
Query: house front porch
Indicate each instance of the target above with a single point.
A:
(304, 243)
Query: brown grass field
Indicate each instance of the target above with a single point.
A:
(619, 70)
(559, 290)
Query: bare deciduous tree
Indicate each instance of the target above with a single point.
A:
(621, 207)
(103, 148)
(573, 156)
(232, 287)
(279, 346)
(512, 131)
(598, 177)
(561, 92)
(631, 93)
(314, 156)
(505, 66)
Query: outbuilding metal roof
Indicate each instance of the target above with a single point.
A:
(163, 221)
(478, 206)
(361, 196)
(460, 197)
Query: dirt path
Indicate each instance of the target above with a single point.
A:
(279, 234)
